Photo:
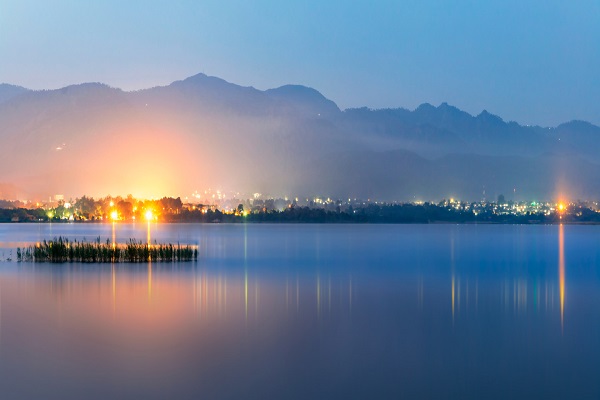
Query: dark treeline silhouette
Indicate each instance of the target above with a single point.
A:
(172, 211)
(22, 215)
(88, 209)
(394, 213)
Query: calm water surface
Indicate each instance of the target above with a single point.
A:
(307, 312)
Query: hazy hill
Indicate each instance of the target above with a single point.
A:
(205, 132)
(8, 92)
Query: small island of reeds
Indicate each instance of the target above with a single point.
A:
(62, 250)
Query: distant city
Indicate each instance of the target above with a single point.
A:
(214, 206)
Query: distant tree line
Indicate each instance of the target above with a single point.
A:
(172, 210)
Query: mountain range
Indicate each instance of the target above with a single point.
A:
(205, 132)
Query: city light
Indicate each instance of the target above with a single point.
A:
(174, 210)
(149, 215)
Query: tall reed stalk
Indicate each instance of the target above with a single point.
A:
(60, 250)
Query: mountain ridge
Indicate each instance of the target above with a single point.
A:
(216, 82)
(203, 131)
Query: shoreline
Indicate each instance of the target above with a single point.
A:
(274, 222)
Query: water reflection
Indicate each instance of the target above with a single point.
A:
(453, 297)
(148, 239)
(113, 276)
(114, 235)
(149, 281)
(443, 306)
(518, 296)
(561, 272)
(211, 292)
(213, 289)
(0, 317)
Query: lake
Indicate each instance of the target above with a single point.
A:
(307, 312)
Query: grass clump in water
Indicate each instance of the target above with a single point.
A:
(60, 250)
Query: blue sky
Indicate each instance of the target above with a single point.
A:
(535, 62)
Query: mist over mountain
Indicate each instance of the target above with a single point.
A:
(205, 132)
(7, 92)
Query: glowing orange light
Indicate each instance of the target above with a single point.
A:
(114, 215)
(561, 206)
(561, 272)
(149, 215)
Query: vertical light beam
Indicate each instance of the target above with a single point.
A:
(561, 273)
(149, 281)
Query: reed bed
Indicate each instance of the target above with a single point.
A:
(61, 250)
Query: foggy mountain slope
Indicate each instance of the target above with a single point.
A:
(8, 92)
(445, 129)
(205, 132)
(582, 137)
(405, 176)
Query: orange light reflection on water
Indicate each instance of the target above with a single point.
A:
(114, 236)
(148, 235)
(561, 272)
(153, 295)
